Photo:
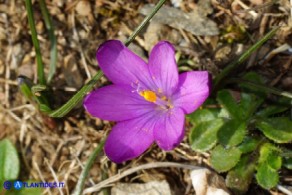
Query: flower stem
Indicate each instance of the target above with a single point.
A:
(40, 66)
(85, 171)
(68, 106)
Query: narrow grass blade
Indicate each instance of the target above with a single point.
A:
(52, 37)
(68, 106)
(85, 171)
(33, 93)
(263, 87)
(25, 87)
(40, 66)
(243, 57)
(144, 22)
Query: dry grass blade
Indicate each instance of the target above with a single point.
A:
(130, 171)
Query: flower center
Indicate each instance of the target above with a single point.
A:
(148, 95)
(157, 97)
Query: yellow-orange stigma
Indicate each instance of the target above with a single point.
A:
(148, 95)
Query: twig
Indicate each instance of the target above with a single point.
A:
(54, 175)
(116, 177)
(284, 190)
(76, 35)
(9, 82)
(41, 175)
(244, 6)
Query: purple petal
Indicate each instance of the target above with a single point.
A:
(169, 129)
(129, 139)
(163, 68)
(193, 89)
(121, 65)
(116, 103)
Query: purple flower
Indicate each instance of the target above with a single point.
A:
(148, 101)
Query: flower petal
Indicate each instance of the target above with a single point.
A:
(193, 89)
(121, 65)
(129, 139)
(169, 129)
(116, 103)
(163, 67)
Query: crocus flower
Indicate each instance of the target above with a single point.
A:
(148, 101)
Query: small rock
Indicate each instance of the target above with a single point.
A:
(150, 188)
(194, 22)
(206, 182)
(176, 3)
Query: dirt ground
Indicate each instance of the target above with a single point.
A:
(52, 148)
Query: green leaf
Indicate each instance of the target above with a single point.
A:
(224, 159)
(240, 177)
(223, 113)
(232, 133)
(277, 129)
(256, 78)
(270, 155)
(9, 162)
(203, 115)
(40, 65)
(249, 104)
(282, 104)
(253, 76)
(25, 87)
(288, 163)
(85, 172)
(204, 135)
(225, 98)
(30, 191)
(266, 176)
(249, 144)
(53, 40)
(38, 88)
(271, 109)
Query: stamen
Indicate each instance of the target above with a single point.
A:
(159, 99)
(148, 95)
(163, 98)
(136, 86)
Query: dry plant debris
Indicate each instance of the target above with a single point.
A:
(56, 149)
